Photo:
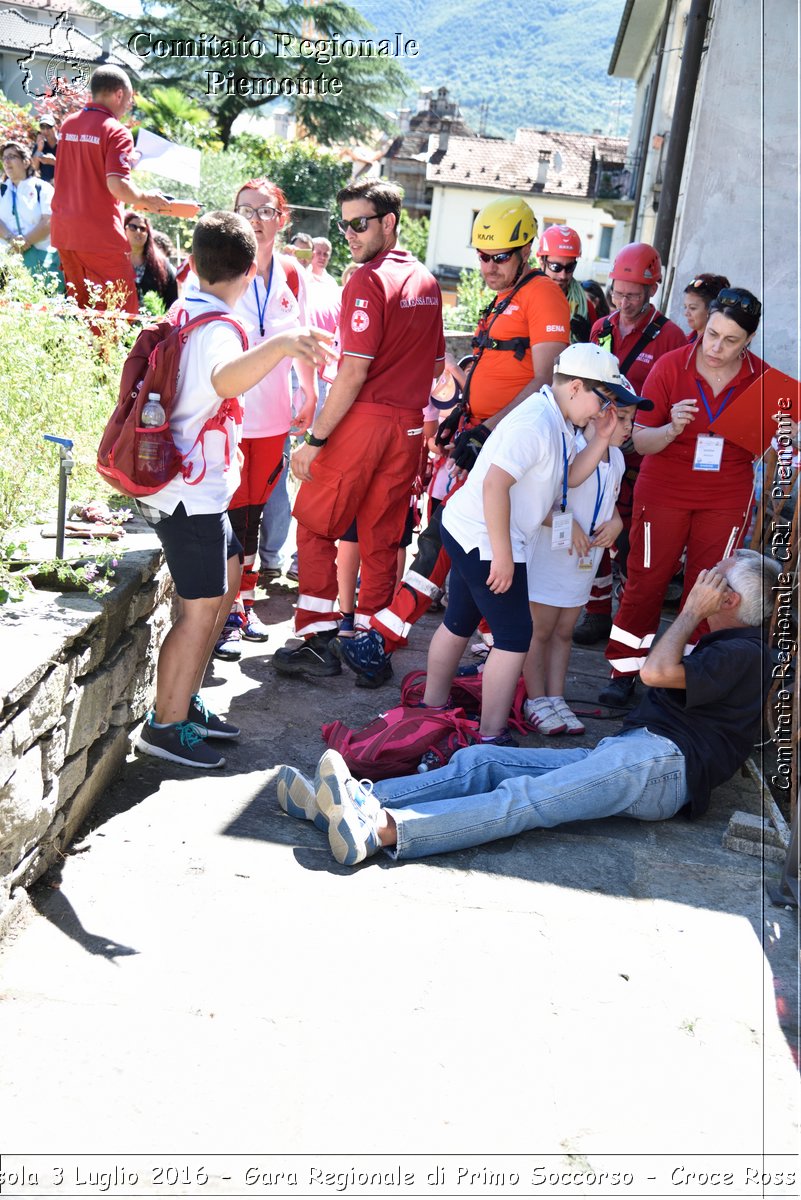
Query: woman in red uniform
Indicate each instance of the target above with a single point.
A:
(694, 487)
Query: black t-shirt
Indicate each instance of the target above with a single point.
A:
(716, 719)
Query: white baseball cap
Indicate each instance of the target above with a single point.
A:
(585, 360)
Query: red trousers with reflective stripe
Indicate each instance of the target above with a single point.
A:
(658, 536)
(366, 470)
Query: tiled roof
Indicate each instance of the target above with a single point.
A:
(54, 40)
(519, 165)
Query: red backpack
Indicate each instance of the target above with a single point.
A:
(152, 366)
(397, 742)
(466, 693)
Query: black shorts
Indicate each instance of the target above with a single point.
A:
(197, 550)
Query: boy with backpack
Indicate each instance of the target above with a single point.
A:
(189, 514)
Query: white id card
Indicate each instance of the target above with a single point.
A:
(708, 452)
(562, 531)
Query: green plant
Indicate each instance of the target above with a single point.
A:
(472, 297)
(58, 377)
(171, 113)
(414, 236)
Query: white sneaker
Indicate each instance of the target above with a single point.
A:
(542, 718)
(566, 714)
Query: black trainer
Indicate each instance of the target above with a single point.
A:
(180, 743)
(619, 691)
(208, 723)
(592, 628)
(312, 657)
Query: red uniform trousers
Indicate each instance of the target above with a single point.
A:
(261, 470)
(78, 266)
(366, 470)
(658, 536)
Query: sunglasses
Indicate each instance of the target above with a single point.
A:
(358, 224)
(136, 228)
(695, 283)
(558, 268)
(265, 212)
(495, 258)
(734, 298)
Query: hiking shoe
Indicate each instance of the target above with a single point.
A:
(542, 718)
(350, 808)
(296, 796)
(619, 691)
(374, 679)
(565, 713)
(592, 628)
(229, 643)
(365, 655)
(179, 743)
(312, 657)
(254, 629)
(268, 574)
(208, 723)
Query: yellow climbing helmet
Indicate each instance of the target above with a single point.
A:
(504, 224)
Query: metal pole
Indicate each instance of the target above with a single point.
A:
(680, 126)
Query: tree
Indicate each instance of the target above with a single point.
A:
(414, 236)
(172, 114)
(248, 53)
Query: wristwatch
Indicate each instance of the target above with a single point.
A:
(311, 440)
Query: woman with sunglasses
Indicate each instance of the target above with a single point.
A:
(698, 295)
(694, 487)
(152, 270)
(275, 302)
(559, 251)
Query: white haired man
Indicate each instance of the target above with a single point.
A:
(694, 727)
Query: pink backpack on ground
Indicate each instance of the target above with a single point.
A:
(396, 742)
(152, 366)
(466, 693)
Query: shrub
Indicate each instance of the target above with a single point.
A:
(472, 297)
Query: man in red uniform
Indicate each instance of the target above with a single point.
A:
(518, 338)
(637, 334)
(92, 183)
(362, 454)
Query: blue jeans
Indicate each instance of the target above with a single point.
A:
(491, 792)
(275, 520)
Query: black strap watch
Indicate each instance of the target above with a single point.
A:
(311, 440)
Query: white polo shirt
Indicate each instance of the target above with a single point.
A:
(268, 410)
(33, 198)
(530, 445)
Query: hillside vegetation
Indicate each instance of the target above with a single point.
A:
(540, 63)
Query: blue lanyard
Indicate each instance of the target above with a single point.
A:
(262, 310)
(14, 212)
(599, 495)
(702, 394)
(563, 505)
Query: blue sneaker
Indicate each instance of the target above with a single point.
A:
(350, 808)
(297, 797)
(365, 655)
(208, 723)
(229, 643)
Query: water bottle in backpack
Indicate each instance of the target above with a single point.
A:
(155, 447)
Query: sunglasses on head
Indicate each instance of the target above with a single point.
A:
(358, 224)
(265, 212)
(735, 298)
(558, 268)
(503, 257)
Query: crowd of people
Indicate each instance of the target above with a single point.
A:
(580, 432)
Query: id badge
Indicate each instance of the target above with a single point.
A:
(562, 531)
(585, 562)
(708, 452)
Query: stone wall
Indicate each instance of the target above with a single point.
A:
(76, 677)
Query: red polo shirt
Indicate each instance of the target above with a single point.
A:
(392, 314)
(92, 146)
(668, 338)
(667, 478)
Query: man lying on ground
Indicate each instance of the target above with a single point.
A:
(693, 728)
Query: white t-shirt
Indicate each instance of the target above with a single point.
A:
(530, 444)
(195, 402)
(268, 410)
(31, 207)
(554, 576)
